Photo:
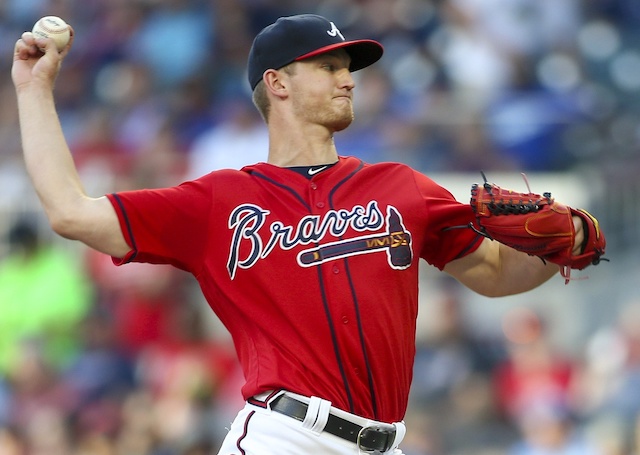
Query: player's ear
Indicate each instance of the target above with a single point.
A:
(275, 82)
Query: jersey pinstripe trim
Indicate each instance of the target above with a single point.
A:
(325, 303)
(284, 187)
(244, 433)
(356, 305)
(334, 340)
(127, 223)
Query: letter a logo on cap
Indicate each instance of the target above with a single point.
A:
(334, 31)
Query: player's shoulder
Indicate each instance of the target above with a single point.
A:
(389, 166)
(223, 174)
(405, 175)
(393, 167)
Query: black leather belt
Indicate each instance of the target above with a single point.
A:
(369, 439)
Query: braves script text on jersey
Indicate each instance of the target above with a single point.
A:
(315, 279)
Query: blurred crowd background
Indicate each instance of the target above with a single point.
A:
(100, 360)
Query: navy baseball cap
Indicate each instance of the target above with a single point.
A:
(294, 38)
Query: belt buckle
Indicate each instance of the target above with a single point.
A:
(374, 439)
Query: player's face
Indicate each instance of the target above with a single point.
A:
(322, 90)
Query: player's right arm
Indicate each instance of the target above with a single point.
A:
(71, 213)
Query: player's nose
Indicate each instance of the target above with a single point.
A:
(346, 80)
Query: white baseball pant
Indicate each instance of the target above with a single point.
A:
(259, 430)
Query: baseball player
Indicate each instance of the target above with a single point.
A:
(310, 259)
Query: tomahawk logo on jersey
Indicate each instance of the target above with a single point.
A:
(247, 221)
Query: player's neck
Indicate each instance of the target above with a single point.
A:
(288, 149)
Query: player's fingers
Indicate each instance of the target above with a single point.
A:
(45, 45)
(28, 38)
(36, 45)
(26, 46)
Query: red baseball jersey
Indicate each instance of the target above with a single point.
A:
(315, 279)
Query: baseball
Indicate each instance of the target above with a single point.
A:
(53, 27)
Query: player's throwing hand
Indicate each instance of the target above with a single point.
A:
(37, 60)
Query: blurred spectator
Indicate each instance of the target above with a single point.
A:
(174, 40)
(141, 301)
(547, 429)
(192, 106)
(472, 149)
(450, 352)
(39, 402)
(452, 385)
(535, 372)
(97, 147)
(5, 400)
(160, 162)
(184, 373)
(520, 28)
(43, 295)
(535, 390)
(11, 442)
(99, 378)
(238, 138)
(526, 123)
(610, 378)
(138, 111)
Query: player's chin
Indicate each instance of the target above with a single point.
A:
(341, 122)
(339, 126)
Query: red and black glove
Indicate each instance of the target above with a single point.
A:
(537, 225)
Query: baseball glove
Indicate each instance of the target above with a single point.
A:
(537, 225)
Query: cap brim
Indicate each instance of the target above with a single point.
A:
(363, 52)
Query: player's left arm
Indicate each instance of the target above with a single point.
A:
(497, 270)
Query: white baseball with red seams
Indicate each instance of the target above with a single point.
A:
(55, 28)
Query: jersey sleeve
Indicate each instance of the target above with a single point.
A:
(165, 226)
(448, 236)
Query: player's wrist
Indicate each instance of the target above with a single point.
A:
(36, 91)
(578, 243)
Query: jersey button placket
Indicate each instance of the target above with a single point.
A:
(319, 204)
